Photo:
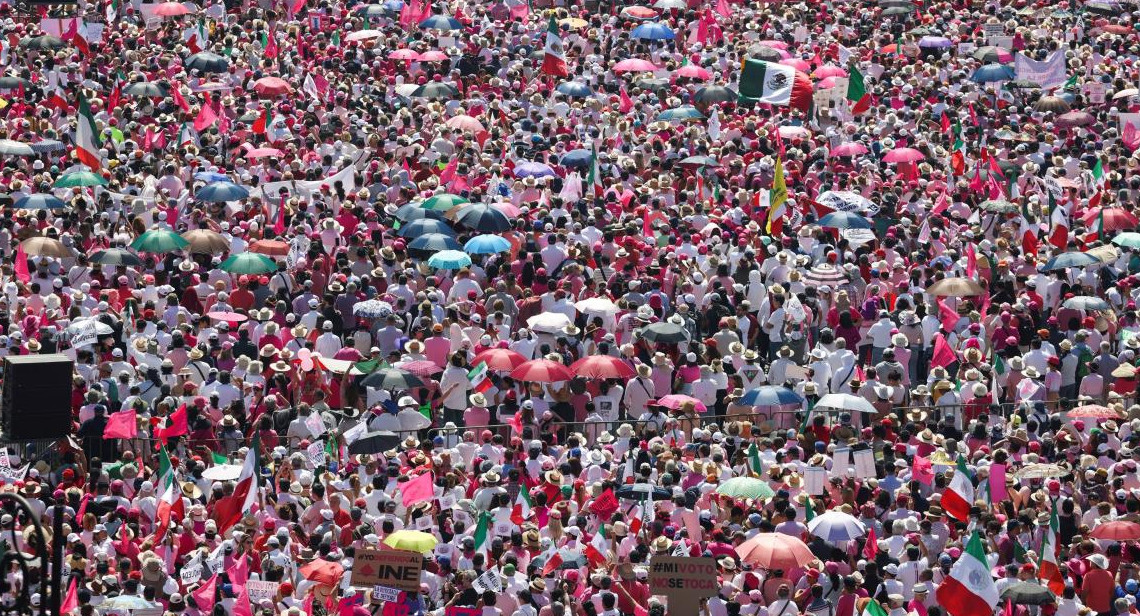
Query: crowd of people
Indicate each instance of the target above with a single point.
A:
(840, 296)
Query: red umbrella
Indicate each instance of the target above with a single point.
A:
(639, 12)
(421, 368)
(323, 572)
(541, 371)
(775, 551)
(272, 86)
(171, 9)
(1114, 219)
(273, 248)
(1093, 411)
(1118, 530)
(602, 367)
(500, 359)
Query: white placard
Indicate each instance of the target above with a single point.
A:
(841, 462)
(316, 453)
(423, 523)
(258, 591)
(1096, 91)
(315, 424)
(865, 464)
(383, 593)
(447, 501)
(190, 573)
(814, 479)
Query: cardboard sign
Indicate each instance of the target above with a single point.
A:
(684, 581)
(398, 569)
(384, 594)
(261, 590)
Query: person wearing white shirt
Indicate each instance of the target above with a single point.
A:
(328, 343)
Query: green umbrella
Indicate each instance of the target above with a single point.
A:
(80, 178)
(159, 240)
(1128, 239)
(746, 487)
(443, 202)
(249, 263)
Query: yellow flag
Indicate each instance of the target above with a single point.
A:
(777, 196)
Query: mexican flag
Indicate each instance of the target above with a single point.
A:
(857, 91)
(777, 199)
(969, 590)
(874, 608)
(478, 377)
(523, 509)
(1098, 184)
(195, 37)
(960, 497)
(87, 137)
(595, 177)
(230, 509)
(483, 532)
(598, 547)
(775, 84)
(553, 56)
(262, 123)
(754, 463)
(170, 496)
(1049, 572)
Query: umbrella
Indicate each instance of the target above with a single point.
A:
(220, 192)
(449, 259)
(1109, 9)
(638, 12)
(45, 247)
(998, 206)
(680, 114)
(1055, 104)
(826, 273)
(324, 572)
(230, 317)
(1115, 219)
(1029, 593)
(432, 55)
(433, 242)
(223, 472)
(171, 9)
(828, 70)
(992, 55)
(15, 148)
(541, 371)
(903, 155)
(126, 602)
(775, 551)
(531, 169)
(502, 360)
(206, 242)
(273, 248)
(159, 240)
(443, 202)
(696, 162)
(1093, 411)
(1118, 530)
(634, 65)
(653, 31)
(709, 95)
(1129, 239)
(955, 287)
(844, 402)
(146, 89)
(465, 122)
(11, 82)
(486, 245)
(40, 201)
(441, 22)
(115, 256)
(579, 158)
(992, 73)
(602, 367)
(1069, 259)
(575, 89)
(372, 309)
(421, 368)
(548, 322)
(1075, 118)
(851, 148)
(935, 42)
(79, 178)
(1125, 93)
(392, 378)
(101, 328)
(643, 491)
(571, 559)
(597, 305)
(1023, 84)
(1040, 471)
(768, 54)
(1085, 302)
(670, 4)
(410, 212)
(362, 35)
(263, 153)
(844, 220)
(404, 54)
(206, 62)
(249, 263)
(833, 526)
(436, 90)
(272, 86)
(412, 541)
(692, 71)
(770, 395)
(676, 401)
(419, 227)
(664, 332)
(43, 42)
(750, 488)
(482, 218)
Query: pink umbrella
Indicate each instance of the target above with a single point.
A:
(263, 153)
(794, 132)
(676, 401)
(421, 368)
(541, 371)
(434, 55)
(230, 317)
(775, 551)
(773, 44)
(850, 148)
(171, 9)
(602, 367)
(634, 65)
(903, 155)
(826, 83)
(272, 86)
(638, 12)
(829, 70)
(466, 122)
(692, 71)
(404, 54)
(796, 63)
(499, 359)
(510, 209)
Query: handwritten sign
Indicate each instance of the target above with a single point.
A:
(383, 594)
(258, 591)
(684, 581)
(316, 453)
(398, 569)
(190, 573)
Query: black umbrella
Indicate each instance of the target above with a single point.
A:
(652, 83)
(375, 442)
(482, 218)
(147, 88)
(46, 146)
(207, 62)
(412, 212)
(392, 378)
(1028, 593)
(767, 54)
(10, 82)
(436, 90)
(664, 331)
(116, 256)
(641, 491)
(46, 41)
(571, 559)
(715, 94)
(1103, 8)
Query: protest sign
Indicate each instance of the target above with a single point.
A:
(683, 580)
(488, 582)
(383, 594)
(814, 479)
(865, 464)
(261, 590)
(394, 568)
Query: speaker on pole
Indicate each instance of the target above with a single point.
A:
(36, 400)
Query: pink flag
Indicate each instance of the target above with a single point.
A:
(941, 204)
(296, 6)
(626, 104)
(723, 9)
(71, 600)
(279, 226)
(449, 171)
(206, 118)
(239, 572)
(922, 471)
(308, 605)
(943, 354)
(123, 424)
(871, 548)
(176, 94)
(521, 11)
(971, 261)
(1131, 137)
(702, 30)
(83, 506)
(418, 490)
(998, 491)
(241, 604)
(948, 316)
(409, 15)
(21, 266)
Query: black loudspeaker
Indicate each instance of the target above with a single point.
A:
(37, 397)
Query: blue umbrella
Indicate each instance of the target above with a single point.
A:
(40, 201)
(574, 88)
(394, 6)
(653, 31)
(935, 42)
(680, 114)
(769, 395)
(1070, 259)
(530, 169)
(413, 211)
(419, 227)
(441, 22)
(844, 220)
(222, 191)
(449, 259)
(577, 158)
(433, 242)
(486, 244)
(993, 72)
(211, 176)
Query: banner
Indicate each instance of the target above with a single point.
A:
(398, 569)
(683, 580)
(1049, 73)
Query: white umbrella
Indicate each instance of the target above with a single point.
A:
(363, 35)
(222, 472)
(548, 322)
(844, 402)
(597, 305)
(101, 328)
(835, 526)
